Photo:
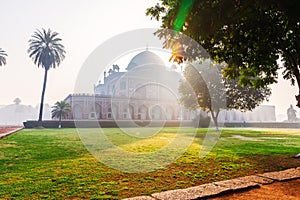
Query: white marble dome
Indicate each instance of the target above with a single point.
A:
(145, 58)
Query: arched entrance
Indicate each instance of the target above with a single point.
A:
(131, 111)
(98, 110)
(77, 111)
(143, 112)
(156, 113)
(115, 111)
(169, 113)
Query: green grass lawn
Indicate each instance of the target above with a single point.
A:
(54, 164)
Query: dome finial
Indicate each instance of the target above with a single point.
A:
(147, 47)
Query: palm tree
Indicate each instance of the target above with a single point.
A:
(60, 110)
(3, 56)
(46, 51)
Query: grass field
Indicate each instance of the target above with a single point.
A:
(54, 164)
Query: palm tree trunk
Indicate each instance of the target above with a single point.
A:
(40, 123)
(59, 123)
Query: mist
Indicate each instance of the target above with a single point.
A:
(16, 113)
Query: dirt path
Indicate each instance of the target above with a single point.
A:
(6, 130)
(289, 190)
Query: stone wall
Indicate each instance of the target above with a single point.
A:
(107, 124)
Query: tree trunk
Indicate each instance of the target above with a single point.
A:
(59, 123)
(297, 75)
(298, 99)
(215, 118)
(40, 122)
(296, 72)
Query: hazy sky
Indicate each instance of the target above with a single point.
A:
(83, 25)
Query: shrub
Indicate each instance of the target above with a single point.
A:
(201, 121)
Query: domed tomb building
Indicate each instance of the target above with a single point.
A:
(146, 90)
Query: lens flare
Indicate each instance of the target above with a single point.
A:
(184, 9)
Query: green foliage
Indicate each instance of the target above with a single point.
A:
(194, 91)
(201, 121)
(60, 110)
(208, 94)
(244, 97)
(249, 36)
(45, 49)
(3, 56)
(203, 88)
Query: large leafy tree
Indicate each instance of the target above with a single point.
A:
(46, 51)
(61, 109)
(250, 36)
(212, 96)
(3, 56)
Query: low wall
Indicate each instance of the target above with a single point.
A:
(263, 124)
(106, 124)
(148, 123)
